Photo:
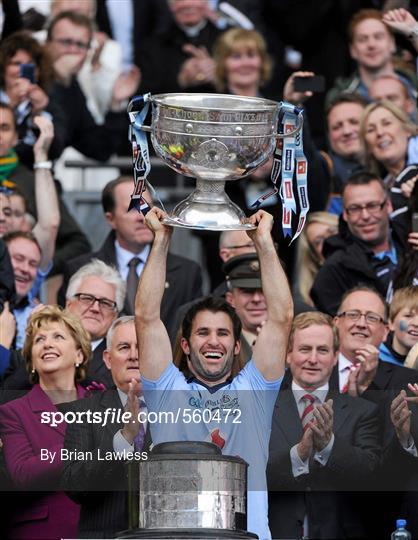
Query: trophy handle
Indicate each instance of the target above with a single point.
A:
(298, 127)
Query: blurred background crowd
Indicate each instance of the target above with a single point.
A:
(68, 69)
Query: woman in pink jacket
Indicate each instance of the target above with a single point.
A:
(56, 350)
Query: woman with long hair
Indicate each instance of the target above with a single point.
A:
(57, 349)
(391, 143)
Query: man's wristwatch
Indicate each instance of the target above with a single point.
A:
(413, 33)
(43, 165)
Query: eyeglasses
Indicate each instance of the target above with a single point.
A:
(356, 314)
(249, 245)
(88, 300)
(68, 42)
(372, 208)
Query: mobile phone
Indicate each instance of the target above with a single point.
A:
(415, 222)
(27, 71)
(315, 83)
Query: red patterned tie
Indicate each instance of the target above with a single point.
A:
(344, 389)
(307, 414)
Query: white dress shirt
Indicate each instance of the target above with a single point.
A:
(123, 257)
(121, 18)
(345, 366)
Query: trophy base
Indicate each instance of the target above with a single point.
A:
(211, 213)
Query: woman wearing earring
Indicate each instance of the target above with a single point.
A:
(56, 350)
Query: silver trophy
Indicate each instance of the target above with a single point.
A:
(214, 138)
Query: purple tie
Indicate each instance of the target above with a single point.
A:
(139, 439)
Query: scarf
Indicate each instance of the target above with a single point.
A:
(8, 164)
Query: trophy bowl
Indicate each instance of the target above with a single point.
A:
(213, 138)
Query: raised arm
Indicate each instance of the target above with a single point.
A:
(46, 198)
(153, 342)
(270, 349)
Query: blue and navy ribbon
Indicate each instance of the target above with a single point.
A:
(288, 152)
(140, 152)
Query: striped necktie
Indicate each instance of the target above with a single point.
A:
(307, 413)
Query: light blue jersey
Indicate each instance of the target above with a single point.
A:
(236, 416)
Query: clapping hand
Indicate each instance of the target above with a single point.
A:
(400, 416)
(322, 426)
(198, 69)
(125, 86)
(363, 371)
(131, 428)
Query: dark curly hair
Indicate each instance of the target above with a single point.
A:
(23, 41)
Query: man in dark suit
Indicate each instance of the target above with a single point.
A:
(404, 454)
(101, 486)
(362, 327)
(127, 247)
(322, 444)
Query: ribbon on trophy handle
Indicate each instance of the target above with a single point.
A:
(140, 153)
(287, 153)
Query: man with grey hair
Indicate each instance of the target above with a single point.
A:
(96, 293)
(100, 486)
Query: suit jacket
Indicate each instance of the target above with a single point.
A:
(390, 480)
(389, 380)
(43, 513)
(183, 280)
(321, 494)
(100, 487)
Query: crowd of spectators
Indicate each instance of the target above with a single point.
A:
(75, 322)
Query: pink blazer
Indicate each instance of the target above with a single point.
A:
(42, 513)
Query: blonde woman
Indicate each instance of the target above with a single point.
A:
(56, 350)
(319, 226)
(242, 62)
(391, 145)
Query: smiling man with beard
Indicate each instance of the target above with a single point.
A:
(367, 248)
(234, 412)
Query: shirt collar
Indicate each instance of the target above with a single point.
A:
(343, 363)
(320, 393)
(391, 253)
(194, 31)
(96, 343)
(123, 256)
(124, 397)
